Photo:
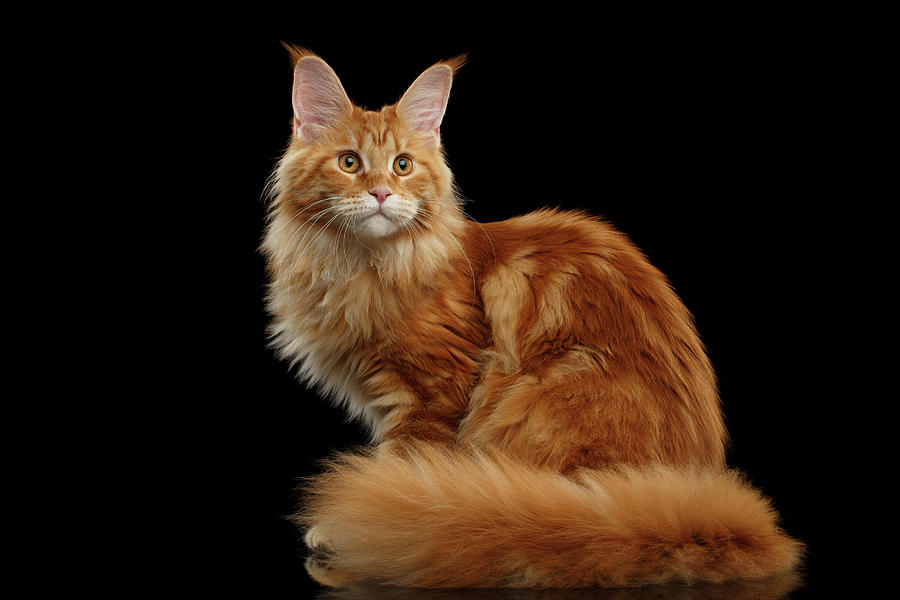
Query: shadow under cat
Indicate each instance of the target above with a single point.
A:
(773, 588)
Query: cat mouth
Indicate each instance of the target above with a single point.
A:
(377, 224)
(375, 214)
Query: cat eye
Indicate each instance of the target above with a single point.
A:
(403, 165)
(349, 162)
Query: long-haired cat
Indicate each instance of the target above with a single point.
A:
(543, 413)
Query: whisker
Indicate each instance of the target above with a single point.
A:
(414, 231)
(310, 230)
(343, 230)
(298, 229)
(356, 235)
(306, 231)
(486, 234)
(428, 213)
(315, 237)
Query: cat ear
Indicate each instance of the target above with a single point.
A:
(319, 98)
(422, 106)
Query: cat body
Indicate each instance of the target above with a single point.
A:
(542, 409)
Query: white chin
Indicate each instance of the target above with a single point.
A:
(377, 226)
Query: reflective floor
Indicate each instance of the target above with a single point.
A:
(780, 587)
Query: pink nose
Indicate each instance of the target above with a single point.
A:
(380, 193)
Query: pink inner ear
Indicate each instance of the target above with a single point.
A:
(424, 103)
(319, 98)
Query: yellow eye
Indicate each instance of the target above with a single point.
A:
(349, 162)
(403, 165)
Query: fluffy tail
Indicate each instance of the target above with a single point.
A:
(441, 518)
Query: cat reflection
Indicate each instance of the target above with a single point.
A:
(774, 588)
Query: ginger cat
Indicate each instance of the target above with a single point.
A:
(542, 409)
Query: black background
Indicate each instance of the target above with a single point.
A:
(705, 140)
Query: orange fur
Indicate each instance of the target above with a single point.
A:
(439, 519)
(544, 410)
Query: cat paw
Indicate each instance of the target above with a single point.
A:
(316, 541)
(320, 562)
(322, 571)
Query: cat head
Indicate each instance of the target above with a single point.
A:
(375, 176)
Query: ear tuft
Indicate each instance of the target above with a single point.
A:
(318, 97)
(297, 52)
(423, 105)
(456, 63)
